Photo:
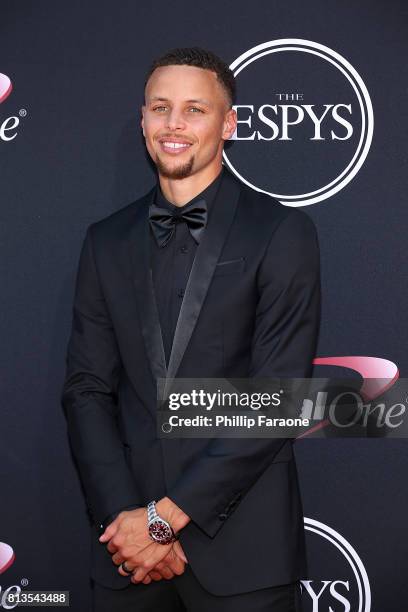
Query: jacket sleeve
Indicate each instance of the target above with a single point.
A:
(89, 396)
(283, 345)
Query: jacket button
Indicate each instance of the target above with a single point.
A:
(222, 516)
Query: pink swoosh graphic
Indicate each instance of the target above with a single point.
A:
(7, 556)
(372, 369)
(5, 87)
(369, 368)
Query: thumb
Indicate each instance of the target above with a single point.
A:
(108, 533)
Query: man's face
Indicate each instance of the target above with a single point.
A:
(185, 120)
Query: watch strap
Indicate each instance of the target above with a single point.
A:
(152, 512)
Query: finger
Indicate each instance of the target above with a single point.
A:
(177, 566)
(174, 562)
(154, 575)
(179, 551)
(167, 572)
(146, 564)
(139, 575)
(115, 543)
(164, 569)
(154, 555)
(117, 559)
(126, 552)
(112, 548)
(142, 571)
(122, 571)
(147, 579)
(109, 532)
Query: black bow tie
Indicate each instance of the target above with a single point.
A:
(163, 221)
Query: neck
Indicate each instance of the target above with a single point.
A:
(181, 191)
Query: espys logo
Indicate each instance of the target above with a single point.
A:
(342, 582)
(8, 126)
(305, 121)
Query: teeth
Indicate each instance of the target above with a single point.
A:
(175, 145)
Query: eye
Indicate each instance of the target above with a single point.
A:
(158, 107)
(195, 108)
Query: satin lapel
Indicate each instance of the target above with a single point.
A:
(206, 258)
(139, 245)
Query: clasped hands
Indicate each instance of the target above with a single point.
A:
(128, 540)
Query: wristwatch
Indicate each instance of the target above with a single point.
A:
(159, 529)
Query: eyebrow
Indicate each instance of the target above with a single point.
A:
(192, 101)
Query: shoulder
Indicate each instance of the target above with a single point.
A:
(119, 221)
(264, 211)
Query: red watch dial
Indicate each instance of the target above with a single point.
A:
(160, 532)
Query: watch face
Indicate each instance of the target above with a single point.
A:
(160, 531)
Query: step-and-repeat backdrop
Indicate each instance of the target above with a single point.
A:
(322, 125)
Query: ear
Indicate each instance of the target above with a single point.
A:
(142, 121)
(230, 124)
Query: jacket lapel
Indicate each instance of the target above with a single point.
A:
(139, 243)
(206, 258)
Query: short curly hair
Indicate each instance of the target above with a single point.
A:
(201, 58)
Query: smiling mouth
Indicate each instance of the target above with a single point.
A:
(174, 148)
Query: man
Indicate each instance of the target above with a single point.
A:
(200, 278)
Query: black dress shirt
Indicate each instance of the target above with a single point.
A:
(171, 265)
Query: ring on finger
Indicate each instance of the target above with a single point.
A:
(126, 569)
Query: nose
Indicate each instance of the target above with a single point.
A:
(175, 120)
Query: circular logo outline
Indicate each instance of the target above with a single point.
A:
(367, 114)
(350, 555)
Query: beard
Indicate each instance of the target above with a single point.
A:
(178, 172)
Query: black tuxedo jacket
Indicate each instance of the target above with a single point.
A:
(251, 309)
